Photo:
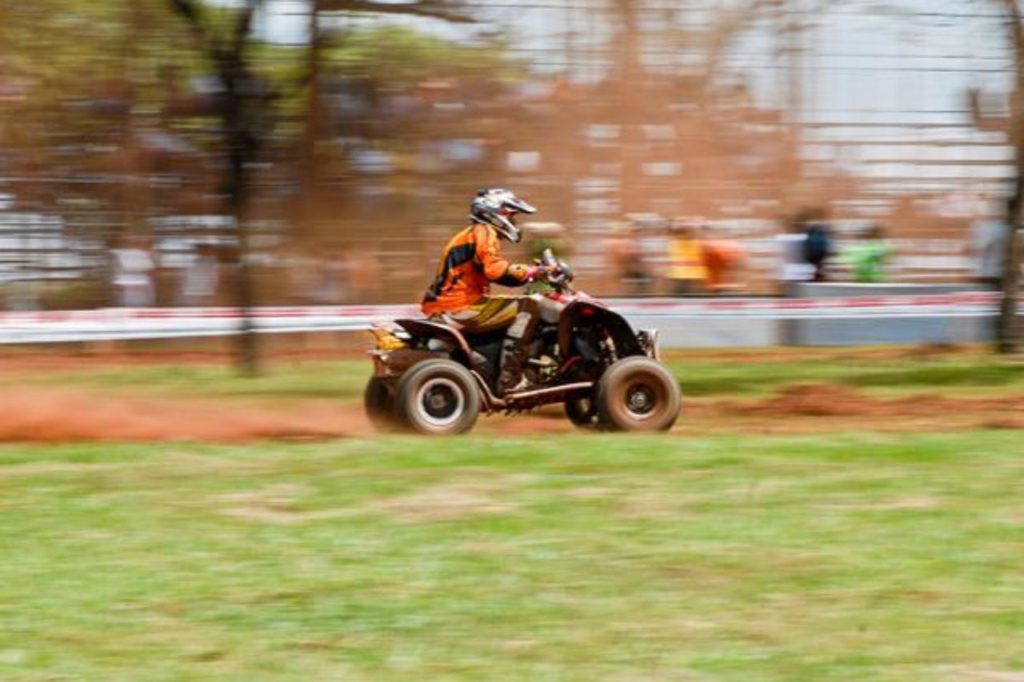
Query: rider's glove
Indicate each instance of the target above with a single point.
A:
(535, 272)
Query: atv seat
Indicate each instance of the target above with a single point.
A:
(451, 329)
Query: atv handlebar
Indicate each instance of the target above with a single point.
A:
(557, 273)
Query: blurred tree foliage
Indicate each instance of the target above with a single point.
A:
(88, 77)
(401, 55)
(83, 88)
(110, 109)
(91, 78)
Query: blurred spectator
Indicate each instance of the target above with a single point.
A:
(626, 263)
(201, 277)
(133, 274)
(686, 270)
(867, 256)
(793, 266)
(366, 274)
(987, 248)
(301, 274)
(722, 259)
(817, 244)
(22, 295)
(332, 283)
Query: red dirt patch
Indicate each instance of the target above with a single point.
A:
(50, 416)
(813, 400)
(829, 400)
(822, 408)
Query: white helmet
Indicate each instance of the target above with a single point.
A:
(498, 208)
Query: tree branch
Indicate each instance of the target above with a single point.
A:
(190, 11)
(737, 20)
(187, 10)
(243, 24)
(434, 9)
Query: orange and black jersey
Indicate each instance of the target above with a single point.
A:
(471, 261)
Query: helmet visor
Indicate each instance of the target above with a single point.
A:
(518, 205)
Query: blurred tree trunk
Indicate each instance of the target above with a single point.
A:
(241, 109)
(314, 132)
(241, 147)
(629, 89)
(1009, 328)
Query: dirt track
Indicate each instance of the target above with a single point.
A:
(49, 415)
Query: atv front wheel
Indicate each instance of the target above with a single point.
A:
(638, 394)
(438, 398)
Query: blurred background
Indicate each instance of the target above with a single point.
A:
(836, 514)
(670, 144)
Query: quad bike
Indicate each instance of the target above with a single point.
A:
(434, 379)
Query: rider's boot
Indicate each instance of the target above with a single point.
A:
(511, 379)
(514, 350)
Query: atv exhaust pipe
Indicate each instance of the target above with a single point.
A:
(535, 398)
(552, 394)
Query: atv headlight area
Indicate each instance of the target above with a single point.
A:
(650, 342)
(388, 338)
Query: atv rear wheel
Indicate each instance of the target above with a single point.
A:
(638, 394)
(438, 398)
(379, 403)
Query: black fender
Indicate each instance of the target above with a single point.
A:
(591, 314)
(428, 329)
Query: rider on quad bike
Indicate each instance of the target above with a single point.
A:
(481, 353)
(470, 263)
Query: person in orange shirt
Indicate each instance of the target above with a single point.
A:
(722, 259)
(471, 261)
(686, 270)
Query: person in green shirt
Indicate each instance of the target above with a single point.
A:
(867, 256)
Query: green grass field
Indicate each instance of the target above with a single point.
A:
(854, 556)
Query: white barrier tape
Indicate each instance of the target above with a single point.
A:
(156, 323)
(626, 304)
